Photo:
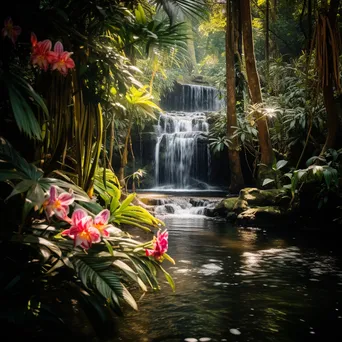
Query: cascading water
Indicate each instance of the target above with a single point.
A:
(192, 98)
(182, 158)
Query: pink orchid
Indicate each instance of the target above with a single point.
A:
(160, 245)
(101, 222)
(82, 231)
(60, 59)
(11, 31)
(40, 52)
(58, 205)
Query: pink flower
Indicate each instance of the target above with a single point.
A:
(11, 31)
(58, 205)
(101, 222)
(160, 245)
(60, 59)
(82, 231)
(40, 52)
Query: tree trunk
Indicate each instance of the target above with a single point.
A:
(266, 158)
(267, 39)
(191, 49)
(309, 25)
(124, 156)
(236, 180)
(111, 143)
(328, 87)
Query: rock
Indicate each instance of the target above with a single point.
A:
(258, 197)
(205, 339)
(190, 339)
(240, 206)
(229, 203)
(263, 215)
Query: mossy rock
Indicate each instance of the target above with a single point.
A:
(258, 197)
(261, 216)
(240, 205)
(222, 208)
(227, 203)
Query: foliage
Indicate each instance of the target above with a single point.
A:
(322, 171)
(111, 265)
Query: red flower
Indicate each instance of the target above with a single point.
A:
(58, 205)
(40, 52)
(101, 223)
(10, 31)
(82, 231)
(160, 245)
(60, 59)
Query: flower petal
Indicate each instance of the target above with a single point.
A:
(102, 217)
(70, 64)
(53, 193)
(34, 39)
(149, 252)
(52, 57)
(60, 212)
(82, 241)
(45, 45)
(77, 216)
(58, 48)
(94, 234)
(66, 198)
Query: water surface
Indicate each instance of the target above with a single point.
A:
(242, 285)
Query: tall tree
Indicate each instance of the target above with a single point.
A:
(327, 63)
(266, 158)
(236, 180)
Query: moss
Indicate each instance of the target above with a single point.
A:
(257, 197)
(229, 203)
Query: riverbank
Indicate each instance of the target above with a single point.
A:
(253, 207)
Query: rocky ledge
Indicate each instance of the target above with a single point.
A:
(255, 207)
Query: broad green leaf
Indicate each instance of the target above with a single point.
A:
(21, 187)
(267, 181)
(280, 164)
(130, 272)
(31, 239)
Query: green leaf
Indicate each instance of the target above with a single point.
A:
(105, 282)
(21, 187)
(130, 272)
(280, 164)
(127, 201)
(109, 247)
(267, 181)
(169, 279)
(31, 239)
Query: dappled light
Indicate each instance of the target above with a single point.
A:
(170, 170)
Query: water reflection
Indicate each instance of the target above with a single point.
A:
(240, 280)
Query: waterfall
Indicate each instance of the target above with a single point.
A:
(192, 98)
(182, 156)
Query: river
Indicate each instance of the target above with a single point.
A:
(240, 284)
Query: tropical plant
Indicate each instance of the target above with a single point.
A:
(113, 260)
(323, 171)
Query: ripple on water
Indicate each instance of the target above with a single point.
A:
(235, 331)
(210, 269)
